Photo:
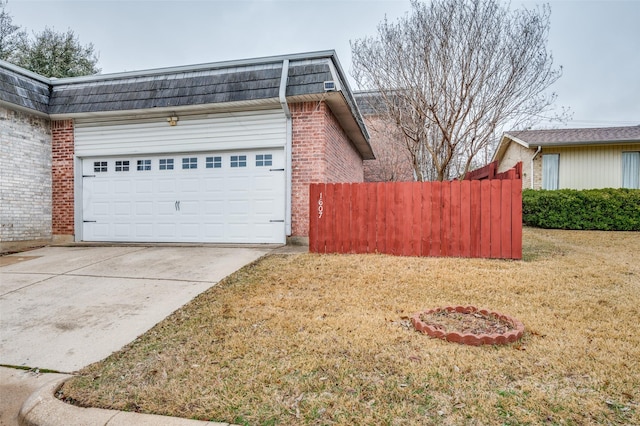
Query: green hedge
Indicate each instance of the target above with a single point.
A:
(600, 209)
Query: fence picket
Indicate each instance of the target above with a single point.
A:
(427, 219)
(436, 218)
(381, 223)
(416, 226)
(454, 239)
(505, 219)
(485, 218)
(465, 218)
(496, 233)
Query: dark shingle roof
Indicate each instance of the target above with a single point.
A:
(25, 90)
(577, 136)
(195, 85)
(166, 90)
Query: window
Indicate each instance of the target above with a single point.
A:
(144, 165)
(214, 162)
(190, 163)
(238, 161)
(550, 167)
(631, 170)
(99, 166)
(263, 160)
(122, 166)
(166, 164)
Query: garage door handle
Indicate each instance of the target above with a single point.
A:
(177, 204)
(88, 175)
(276, 170)
(276, 220)
(89, 221)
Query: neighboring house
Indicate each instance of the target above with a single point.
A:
(393, 161)
(606, 157)
(219, 152)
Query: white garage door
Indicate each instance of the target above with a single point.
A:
(220, 197)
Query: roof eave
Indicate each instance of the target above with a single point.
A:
(10, 105)
(504, 143)
(185, 109)
(582, 143)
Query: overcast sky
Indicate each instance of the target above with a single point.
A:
(596, 42)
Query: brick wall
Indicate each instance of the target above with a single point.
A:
(63, 149)
(25, 171)
(393, 161)
(321, 152)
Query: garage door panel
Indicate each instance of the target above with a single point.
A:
(143, 230)
(122, 230)
(143, 187)
(100, 187)
(189, 185)
(144, 209)
(208, 202)
(122, 186)
(166, 230)
(122, 208)
(165, 186)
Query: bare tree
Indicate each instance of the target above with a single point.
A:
(451, 73)
(11, 36)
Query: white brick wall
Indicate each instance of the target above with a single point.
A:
(25, 177)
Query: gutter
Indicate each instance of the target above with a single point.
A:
(533, 158)
(282, 94)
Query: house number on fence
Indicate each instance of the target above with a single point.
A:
(320, 206)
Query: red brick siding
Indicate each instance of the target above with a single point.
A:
(393, 161)
(321, 152)
(62, 177)
(344, 163)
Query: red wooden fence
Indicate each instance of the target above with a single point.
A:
(490, 171)
(470, 218)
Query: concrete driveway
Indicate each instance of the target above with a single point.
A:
(63, 308)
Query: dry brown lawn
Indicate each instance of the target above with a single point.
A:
(323, 339)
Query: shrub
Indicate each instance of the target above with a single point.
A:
(596, 209)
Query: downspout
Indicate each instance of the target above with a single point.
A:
(533, 158)
(288, 145)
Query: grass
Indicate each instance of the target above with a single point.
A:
(323, 339)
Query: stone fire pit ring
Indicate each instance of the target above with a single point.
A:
(513, 334)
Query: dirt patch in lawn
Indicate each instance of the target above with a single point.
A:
(325, 339)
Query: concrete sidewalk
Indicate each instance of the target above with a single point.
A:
(63, 308)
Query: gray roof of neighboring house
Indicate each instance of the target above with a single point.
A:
(588, 136)
(567, 137)
(370, 102)
(246, 81)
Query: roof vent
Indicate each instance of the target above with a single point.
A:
(329, 86)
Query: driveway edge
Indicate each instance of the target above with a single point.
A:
(42, 408)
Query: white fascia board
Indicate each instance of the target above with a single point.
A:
(502, 146)
(176, 110)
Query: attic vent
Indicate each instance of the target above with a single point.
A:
(329, 86)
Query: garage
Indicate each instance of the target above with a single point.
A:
(218, 152)
(206, 178)
(217, 197)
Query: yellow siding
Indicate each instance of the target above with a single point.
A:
(591, 167)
